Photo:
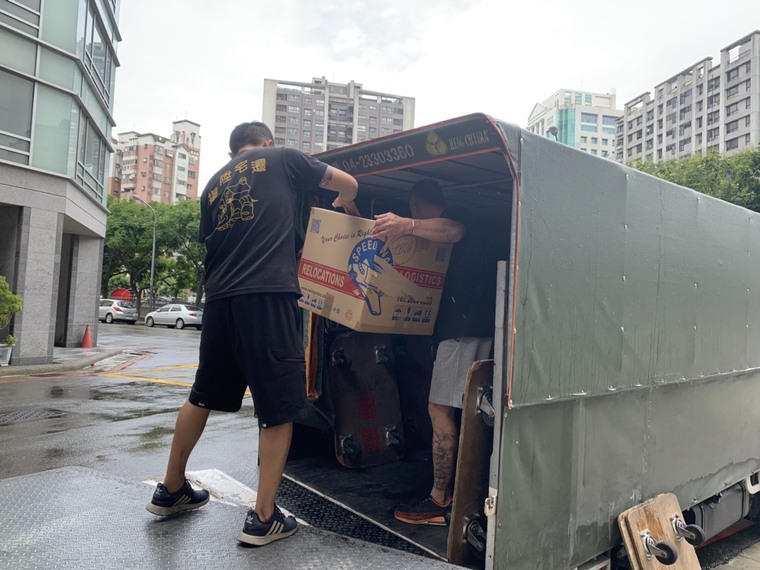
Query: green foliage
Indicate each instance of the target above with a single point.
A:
(10, 303)
(128, 248)
(735, 178)
(10, 340)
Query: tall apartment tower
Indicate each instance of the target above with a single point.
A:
(702, 109)
(322, 115)
(580, 119)
(156, 168)
(57, 68)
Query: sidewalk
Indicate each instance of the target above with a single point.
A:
(64, 360)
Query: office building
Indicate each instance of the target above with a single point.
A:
(702, 109)
(156, 168)
(323, 115)
(581, 119)
(57, 67)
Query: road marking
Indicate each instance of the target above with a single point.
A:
(155, 380)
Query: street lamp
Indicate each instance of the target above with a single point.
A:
(153, 255)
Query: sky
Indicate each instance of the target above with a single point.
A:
(206, 61)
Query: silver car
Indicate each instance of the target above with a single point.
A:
(175, 315)
(111, 310)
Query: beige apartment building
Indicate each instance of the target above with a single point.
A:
(581, 119)
(156, 168)
(703, 108)
(322, 115)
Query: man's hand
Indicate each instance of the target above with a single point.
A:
(348, 206)
(389, 226)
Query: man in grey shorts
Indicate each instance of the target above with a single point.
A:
(464, 328)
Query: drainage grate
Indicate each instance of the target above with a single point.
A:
(8, 417)
(326, 515)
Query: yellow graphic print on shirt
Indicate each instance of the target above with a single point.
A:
(236, 204)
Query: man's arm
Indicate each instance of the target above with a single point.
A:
(389, 227)
(345, 185)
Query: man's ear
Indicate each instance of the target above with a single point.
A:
(270, 142)
(231, 154)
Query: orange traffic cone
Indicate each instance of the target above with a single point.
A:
(87, 339)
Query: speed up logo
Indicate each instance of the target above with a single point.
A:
(363, 263)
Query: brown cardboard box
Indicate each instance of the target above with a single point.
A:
(346, 277)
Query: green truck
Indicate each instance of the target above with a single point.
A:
(626, 361)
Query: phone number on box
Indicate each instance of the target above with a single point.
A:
(372, 159)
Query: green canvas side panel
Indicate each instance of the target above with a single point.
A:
(625, 280)
(569, 468)
(635, 371)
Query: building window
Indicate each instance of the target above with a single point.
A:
(98, 58)
(92, 158)
(15, 117)
(732, 144)
(589, 118)
(587, 98)
(294, 109)
(294, 97)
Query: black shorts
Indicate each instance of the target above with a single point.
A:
(252, 341)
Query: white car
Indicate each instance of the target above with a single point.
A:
(176, 315)
(111, 310)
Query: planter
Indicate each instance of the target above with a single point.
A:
(5, 354)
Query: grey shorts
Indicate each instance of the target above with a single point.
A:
(452, 360)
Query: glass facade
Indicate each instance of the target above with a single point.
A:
(64, 124)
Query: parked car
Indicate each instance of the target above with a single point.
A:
(176, 315)
(111, 310)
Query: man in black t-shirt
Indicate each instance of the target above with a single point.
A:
(251, 335)
(464, 327)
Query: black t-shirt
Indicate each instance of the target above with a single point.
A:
(248, 210)
(468, 301)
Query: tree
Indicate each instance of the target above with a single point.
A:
(182, 223)
(128, 245)
(735, 178)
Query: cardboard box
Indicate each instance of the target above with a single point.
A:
(346, 276)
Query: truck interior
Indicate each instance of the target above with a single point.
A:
(479, 180)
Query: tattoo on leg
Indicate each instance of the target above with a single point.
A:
(326, 177)
(444, 460)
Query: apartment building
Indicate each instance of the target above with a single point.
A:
(57, 66)
(581, 119)
(156, 168)
(704, 108)
(322, 115)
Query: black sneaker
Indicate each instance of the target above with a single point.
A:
(259, 533)
(426, 511)
(165, 503)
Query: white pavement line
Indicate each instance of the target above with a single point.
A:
(223, 489)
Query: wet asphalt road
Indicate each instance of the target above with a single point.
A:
(118, 417)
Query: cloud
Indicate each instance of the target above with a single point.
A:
(346, 40)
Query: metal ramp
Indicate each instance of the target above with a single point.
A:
(80, 518)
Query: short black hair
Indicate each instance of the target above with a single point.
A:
(255, 133)
(428, 191)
